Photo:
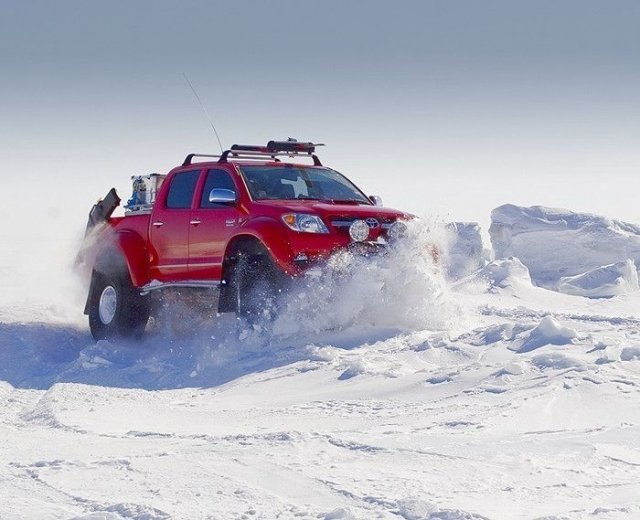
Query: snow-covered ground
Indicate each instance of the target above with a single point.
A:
(384, 391)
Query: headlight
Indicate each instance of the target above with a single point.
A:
(304, 223)
(397, 230)
(359, 231)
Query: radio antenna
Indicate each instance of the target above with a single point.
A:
(204, 109)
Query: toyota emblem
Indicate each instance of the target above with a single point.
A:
(372, 223)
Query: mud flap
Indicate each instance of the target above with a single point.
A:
(106, 261)
(90, 295)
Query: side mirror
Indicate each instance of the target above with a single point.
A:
(377, 200)
(221, 196)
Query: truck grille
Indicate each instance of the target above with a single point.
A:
(373, 222)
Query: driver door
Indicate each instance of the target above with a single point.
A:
(212, 224)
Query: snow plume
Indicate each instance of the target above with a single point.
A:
(354, 300)
(37, 276)
(404, 287)
(465, 250)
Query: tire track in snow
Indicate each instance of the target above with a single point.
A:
(523, 312)
(31, 473)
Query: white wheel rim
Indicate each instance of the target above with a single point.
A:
(107, 305)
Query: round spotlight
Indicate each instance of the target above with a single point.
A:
(397, 230)
(359, 231)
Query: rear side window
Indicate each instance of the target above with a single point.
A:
(181, 190)
(216, 180)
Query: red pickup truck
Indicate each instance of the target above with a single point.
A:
(238, 225)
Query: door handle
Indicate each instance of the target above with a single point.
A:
(158, 223)
(195, 222)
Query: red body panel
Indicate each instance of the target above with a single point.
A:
(169, 245)
(173, 245)
(210, 232)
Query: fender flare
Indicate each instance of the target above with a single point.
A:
(271, 235)
(133, 249)
(258, 236)
(124, 251)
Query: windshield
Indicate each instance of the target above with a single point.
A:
(300, 183)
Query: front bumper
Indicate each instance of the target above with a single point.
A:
(305, 264)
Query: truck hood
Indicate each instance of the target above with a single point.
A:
(331, 210)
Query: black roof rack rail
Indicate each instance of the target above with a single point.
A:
(190, 157)
(274, 149)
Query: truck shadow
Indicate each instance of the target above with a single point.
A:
(39, 355)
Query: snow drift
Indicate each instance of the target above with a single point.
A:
(548, 332)
(602, 282)
(508, 274)
(558, 243)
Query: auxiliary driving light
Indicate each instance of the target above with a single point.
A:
(359, 231)
(397, 230)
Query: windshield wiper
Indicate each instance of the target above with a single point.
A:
(330, 201)
(346, 201)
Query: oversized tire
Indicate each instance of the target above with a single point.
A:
(256, 285)
(116, 309)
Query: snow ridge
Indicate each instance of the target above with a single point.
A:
(555, 243)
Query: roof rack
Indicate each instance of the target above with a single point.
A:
(274, 149)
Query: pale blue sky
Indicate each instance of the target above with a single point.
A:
(442, 107)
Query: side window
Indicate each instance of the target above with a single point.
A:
(216, 180)
(181, 190)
